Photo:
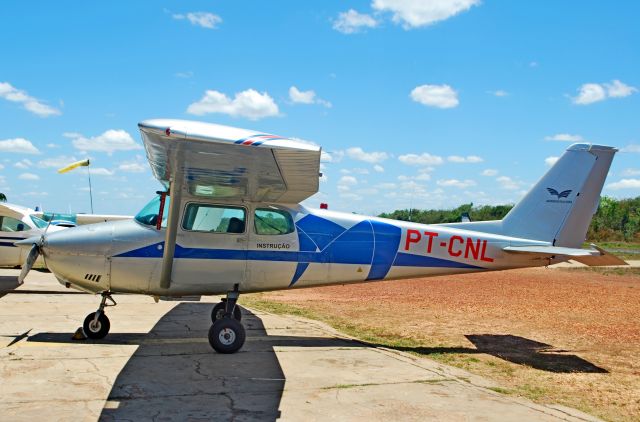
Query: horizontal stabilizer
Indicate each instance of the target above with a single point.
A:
(591, 257)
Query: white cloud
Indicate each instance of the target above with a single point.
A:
(378, 168)
(424, 159)
(348, 181)
(53, 146)
(417, 13)
(302, 97)
(132, 167)
(625, 184)
(387, 185)
(593, 92)
(467, 159)
(617, 89)
(249, 103)
(19, 145)
(351, 196)
(358, 153)
(462, 184)
(101, 171)
(351, 22)
(550, 160)
(29, 176)
(202, 19)
(1, 167)
(440, 96)
(564, 137)
(306, 97)
(631, 172)
(508, 183)
(110, 141)
(56, 162)
(489, 172)
(499, 93)
(590, 93)
(23, 164)
(631, 148)
(35, 106)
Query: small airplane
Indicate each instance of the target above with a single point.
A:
(19, 223)
(230, 222)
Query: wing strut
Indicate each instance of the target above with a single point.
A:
(175, 191)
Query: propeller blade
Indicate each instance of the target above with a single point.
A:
(28, 263)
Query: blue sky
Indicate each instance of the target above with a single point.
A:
(425, 104)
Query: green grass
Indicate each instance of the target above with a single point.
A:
(619, 245)
(628, 271)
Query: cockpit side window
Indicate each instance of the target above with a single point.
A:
(9, 224)
(272, 221)
(214, 218)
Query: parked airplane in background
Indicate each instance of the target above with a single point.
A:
(230, 222)
(19, 223)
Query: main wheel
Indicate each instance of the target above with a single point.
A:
(226, 335)
(98, 329)
(218, 312)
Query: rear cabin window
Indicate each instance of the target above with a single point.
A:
(9, 224)
(269, 221)
(214, 218)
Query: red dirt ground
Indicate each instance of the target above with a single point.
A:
(562, 336)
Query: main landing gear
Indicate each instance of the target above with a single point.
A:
(96, 325)
(227, 335)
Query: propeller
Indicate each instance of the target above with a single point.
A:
(34, 252)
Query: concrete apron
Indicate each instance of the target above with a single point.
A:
(157, 364)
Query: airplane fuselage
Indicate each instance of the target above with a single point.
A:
(320, 248)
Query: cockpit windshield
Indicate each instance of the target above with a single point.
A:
(40, 223)
(149, 214)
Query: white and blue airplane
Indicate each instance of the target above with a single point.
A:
(230, 222)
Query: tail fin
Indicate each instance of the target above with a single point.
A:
(560, 206)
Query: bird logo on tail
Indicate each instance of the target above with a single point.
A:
(563, 194)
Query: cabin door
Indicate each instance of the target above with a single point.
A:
(211, 247)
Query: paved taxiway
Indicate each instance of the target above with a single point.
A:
(157, 364)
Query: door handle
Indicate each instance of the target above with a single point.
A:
(241, 239)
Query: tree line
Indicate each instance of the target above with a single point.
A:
(616, 219)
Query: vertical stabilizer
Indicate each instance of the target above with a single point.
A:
(560, 206)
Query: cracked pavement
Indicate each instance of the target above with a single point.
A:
(156, 364)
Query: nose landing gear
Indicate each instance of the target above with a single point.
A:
(227, 335)
(96, 325)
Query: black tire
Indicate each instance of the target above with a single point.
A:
(226, 335)
(217, 312)
(100, 330)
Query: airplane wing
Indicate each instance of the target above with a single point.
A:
(592, 257)
(235, 164)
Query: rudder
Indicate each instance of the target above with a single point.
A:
(560, 206)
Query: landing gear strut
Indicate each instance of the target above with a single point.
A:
(96, 325)
(227, 334)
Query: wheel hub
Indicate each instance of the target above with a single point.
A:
(227, 336)
(95, 326)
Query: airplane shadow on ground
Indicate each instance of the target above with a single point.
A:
(175, 375)
(519, 350)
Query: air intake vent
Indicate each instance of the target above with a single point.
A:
(93, 277)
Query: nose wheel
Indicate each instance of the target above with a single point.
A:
(96, 325)
(227, 334)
